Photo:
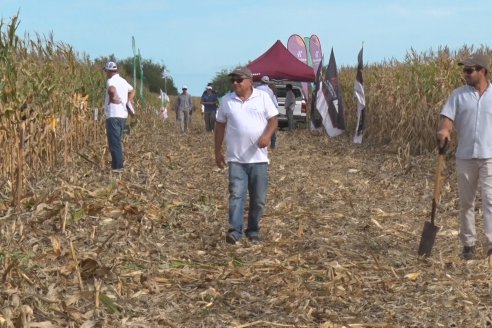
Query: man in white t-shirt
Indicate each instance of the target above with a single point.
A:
(247, 118)
(117, 103)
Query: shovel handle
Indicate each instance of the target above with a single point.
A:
(438, 179)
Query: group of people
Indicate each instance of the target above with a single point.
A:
(184, 108)
(247, 120)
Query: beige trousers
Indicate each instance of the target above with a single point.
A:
(473, 173)
(184, 120)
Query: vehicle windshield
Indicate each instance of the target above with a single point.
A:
(281, 92)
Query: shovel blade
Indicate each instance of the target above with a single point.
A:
(427, 239)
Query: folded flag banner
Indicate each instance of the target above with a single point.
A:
(316, 119)
(361, 99)
(329, 100)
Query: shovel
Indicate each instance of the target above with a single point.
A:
(430, 229)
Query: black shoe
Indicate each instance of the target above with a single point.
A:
(230, 239)
(254, 239)
(469, 252)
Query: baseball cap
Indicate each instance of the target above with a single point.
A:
(209, 87)
(476, 60)
(110, 66)
(184, 87)
(265, 79)
(242, 72)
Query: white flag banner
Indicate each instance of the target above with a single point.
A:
(360, 96)
(322, 106)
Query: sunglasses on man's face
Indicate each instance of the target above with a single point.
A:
(470, 70)
(237, 80)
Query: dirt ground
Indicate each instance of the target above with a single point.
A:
(339, 241)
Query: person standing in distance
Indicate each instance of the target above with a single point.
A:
(209, 100)
(118, 97)
(469, 111)
(289, 105)
(265, 86)
(247, 118)
(184, 107)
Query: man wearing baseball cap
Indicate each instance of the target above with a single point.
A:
(247, 118)
(469, 110)
(117, 102)
(209, 100)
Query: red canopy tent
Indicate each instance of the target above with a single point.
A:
(279, 64)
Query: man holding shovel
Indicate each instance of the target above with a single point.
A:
(469, 111)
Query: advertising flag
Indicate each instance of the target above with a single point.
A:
(329, 101)
(297, 47)
(361, 99)
(315, 51)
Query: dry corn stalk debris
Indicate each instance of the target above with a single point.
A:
(146, 248)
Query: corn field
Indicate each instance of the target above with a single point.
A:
(50, 103)
(50, 107)
(404, 99)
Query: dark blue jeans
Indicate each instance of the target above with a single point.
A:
(114, 132)
(242, 178)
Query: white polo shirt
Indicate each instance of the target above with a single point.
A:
(245, 123)
(267, 89)
(472, 116)
(122, 89)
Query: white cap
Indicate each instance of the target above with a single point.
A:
(110, 66)
(265, 79)
(209, 87)
(184, 87)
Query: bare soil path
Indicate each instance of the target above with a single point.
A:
(339, 242)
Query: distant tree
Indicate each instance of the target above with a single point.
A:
(222, 82)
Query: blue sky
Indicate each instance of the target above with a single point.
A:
(195, 39)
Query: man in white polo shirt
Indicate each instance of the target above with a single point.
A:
(469, 110)
(118, 103)
(247, 118)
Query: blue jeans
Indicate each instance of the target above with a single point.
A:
(114, 132)
(242, 178)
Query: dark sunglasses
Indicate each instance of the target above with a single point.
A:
(237, 80)
(469, 70)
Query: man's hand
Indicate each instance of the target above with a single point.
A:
(442, 136)
(263, 141)
(444, 131)
(220, 160)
